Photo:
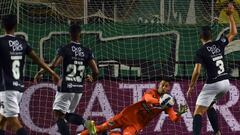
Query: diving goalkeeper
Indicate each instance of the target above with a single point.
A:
(135, 117)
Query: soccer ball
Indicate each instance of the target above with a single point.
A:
(166, 101)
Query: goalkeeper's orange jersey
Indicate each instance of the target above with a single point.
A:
(141, 113)
(135, 117)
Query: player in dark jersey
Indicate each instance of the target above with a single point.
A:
(211, 57)
(75, 58)
(12, 59)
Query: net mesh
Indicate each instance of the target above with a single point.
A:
(136, 43)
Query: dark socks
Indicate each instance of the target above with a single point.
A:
(63, 127)
(74, 119)
(213, 118)
(2, 132)
(197, 124)
(104, 133)
(21, 131)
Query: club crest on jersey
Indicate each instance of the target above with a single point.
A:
(15, 45)
(213, 49)
(78, 51)
(223, 39)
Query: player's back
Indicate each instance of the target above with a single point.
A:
(12, 60)
(75, 60)
(211, 56)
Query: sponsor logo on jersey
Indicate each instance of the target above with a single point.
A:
(16, 83)
(213, 49)
(70, 85)
(223, 40)
(15, 45)
(78, 51)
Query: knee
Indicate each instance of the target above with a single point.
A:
(11, 120)
(198, 113)
(3, 122)
(200, 110)
(58, 114)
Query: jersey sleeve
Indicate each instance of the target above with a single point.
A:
(223, 40)
(60, 51)
(172, 114)
(198, 57)
(28, 48)
(90, 55)
(149, 97)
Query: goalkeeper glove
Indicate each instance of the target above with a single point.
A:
(181, 109)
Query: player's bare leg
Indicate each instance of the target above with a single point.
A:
(197, 119)
(16, 125)
(61, 123)
(3, 123)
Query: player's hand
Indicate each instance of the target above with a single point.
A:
(89, 78)
(189, 92)
(181, 109)
(230, 9)
(37, 77)
(56, 78)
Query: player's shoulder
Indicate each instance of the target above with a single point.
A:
(151, 90)
(85, 48)
(4, 37)
(223, 40)
(1, 37)
(63, 46)
(22, 40)
(200, 49)
(12, 37)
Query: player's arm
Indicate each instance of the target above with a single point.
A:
(93, 65)
(175, 116)
(148, 97)
(36, 59)
(56, 62)
(232, 25)
(195, 75)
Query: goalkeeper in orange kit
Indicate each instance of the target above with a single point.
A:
(135, 117)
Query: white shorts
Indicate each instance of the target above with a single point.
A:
(9, 101)
(212, 92)
(66, 102)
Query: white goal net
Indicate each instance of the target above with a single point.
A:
(136, 43)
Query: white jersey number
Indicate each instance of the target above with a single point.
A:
(220, 65)
(16, 69)
(73, 76)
